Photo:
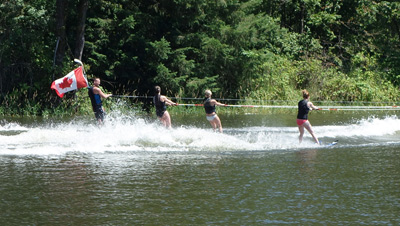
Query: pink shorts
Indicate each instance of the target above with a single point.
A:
(301, 121)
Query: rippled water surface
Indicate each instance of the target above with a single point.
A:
(133, 172)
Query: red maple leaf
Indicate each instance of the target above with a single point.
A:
(67, 82)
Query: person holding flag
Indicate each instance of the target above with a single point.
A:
(95, 95)
(77, 79)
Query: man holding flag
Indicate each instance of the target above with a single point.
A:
(95, 95)
(76, 79)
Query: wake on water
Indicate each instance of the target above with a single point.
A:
(128, 134)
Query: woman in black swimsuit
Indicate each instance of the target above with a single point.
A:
(160, 102)
(305, 106)
(211, 115)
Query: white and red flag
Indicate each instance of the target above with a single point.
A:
(72, 81)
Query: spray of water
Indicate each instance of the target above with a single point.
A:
(130, 133)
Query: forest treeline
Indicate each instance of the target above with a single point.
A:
(247, 49)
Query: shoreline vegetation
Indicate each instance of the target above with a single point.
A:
(79, 105)
(342, 52)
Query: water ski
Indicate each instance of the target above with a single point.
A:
(332, 143)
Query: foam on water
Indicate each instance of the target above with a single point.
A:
(12, 126)
(123, 134)
(370, 127)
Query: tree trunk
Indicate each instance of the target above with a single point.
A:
(61, 13)
(80, 32)
(283, 13)
(396, 26)
(302, 12)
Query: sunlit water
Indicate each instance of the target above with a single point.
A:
(131, 171)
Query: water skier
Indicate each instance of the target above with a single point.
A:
(95, 95)
(160, 103)
(211, 115)
(305, 106)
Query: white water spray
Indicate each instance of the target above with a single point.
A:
(130, 134)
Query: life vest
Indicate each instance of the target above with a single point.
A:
(95, 99)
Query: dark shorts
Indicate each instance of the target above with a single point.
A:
(99, 113)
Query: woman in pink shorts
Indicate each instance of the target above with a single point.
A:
(305, 106)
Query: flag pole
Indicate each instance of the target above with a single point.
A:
(83, 68)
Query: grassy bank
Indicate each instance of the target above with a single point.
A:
(80, 105)
(280, 85)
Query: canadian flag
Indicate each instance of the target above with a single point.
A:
(72, 81)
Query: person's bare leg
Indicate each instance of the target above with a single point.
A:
(218, 124)
(308, 127)
(213, 125)
(301, 130)
(162, 121)
(167, 120)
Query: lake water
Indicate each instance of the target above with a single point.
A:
(131, 171)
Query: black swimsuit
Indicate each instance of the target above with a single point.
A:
(160, 106)
(303, 110)
(208, 107)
